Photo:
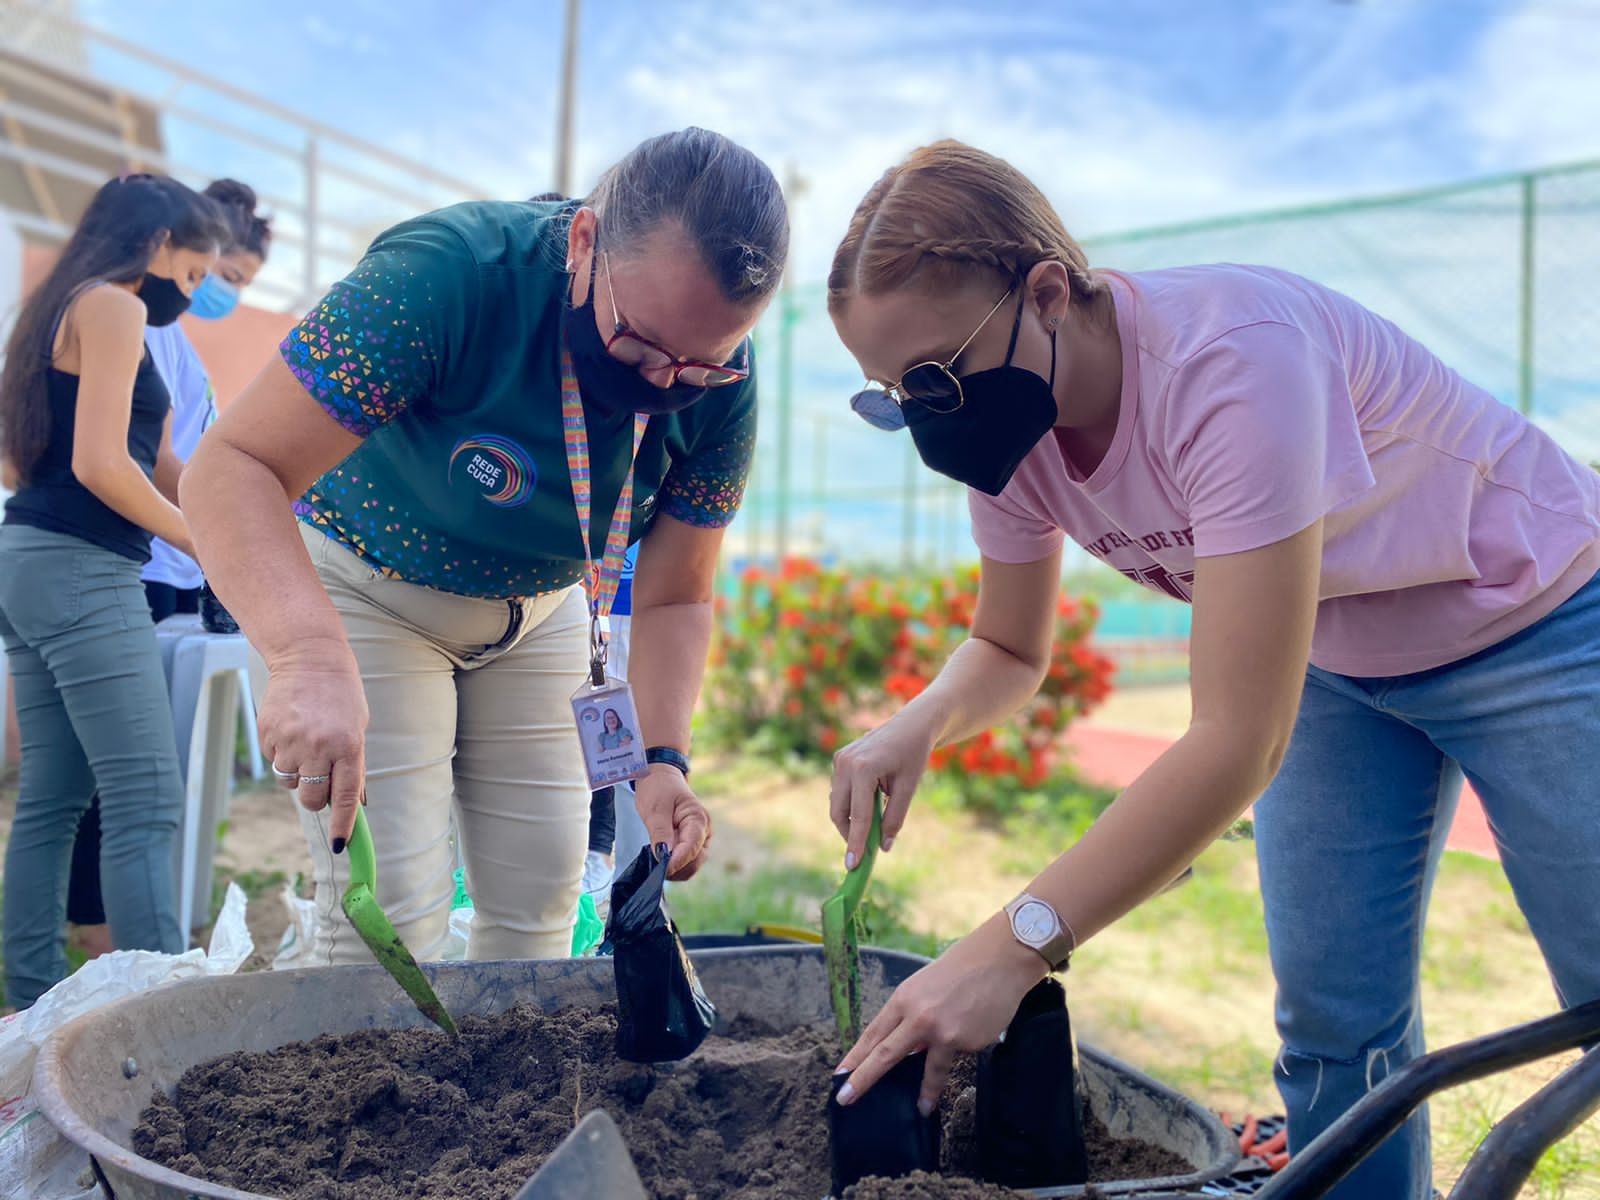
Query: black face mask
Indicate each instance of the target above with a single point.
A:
(164, 301)
(1004, 413)
(610, 386)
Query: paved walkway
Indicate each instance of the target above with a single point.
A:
(1114, 758)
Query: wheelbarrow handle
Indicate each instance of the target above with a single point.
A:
(1514, 1146)
(1314, 1171)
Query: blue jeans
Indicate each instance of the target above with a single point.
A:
(1350, 834)
(93, 712)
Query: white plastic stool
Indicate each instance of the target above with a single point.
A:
(252, 735)
(203, 680)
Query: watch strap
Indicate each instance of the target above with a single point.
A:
(668, 756)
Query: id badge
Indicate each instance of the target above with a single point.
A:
(608, 731)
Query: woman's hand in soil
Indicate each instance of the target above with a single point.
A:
(891, 759)
(673, 814)
(313, 723)
(959, 1003)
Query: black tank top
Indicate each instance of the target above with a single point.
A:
(53, 498)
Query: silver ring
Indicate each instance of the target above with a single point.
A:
(285, 776)
(314, 778)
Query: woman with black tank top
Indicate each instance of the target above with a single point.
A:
(84, 434)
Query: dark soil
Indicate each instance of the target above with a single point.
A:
(921, 1186)
(410, 1114)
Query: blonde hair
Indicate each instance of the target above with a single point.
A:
(945, 213)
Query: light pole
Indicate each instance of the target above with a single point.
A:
(566, 104)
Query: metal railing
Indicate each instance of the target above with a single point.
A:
(328, 191)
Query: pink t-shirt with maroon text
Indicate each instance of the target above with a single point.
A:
(1254, 402)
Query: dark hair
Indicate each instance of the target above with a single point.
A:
(723, 196)
(546, 197)
(238, 203)
(125, 224)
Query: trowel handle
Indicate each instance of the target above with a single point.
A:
(363, 863)
(855, 881)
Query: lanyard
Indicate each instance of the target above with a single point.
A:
(600, 580)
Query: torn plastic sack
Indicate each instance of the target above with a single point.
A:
(299, 935)
(36, 1162)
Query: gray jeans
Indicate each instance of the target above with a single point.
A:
(93, 713)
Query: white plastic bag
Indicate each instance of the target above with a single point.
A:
(300, 935)
(455, 943)
(37, 1163)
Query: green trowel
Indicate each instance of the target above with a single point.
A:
(361, 906)
(840, 936)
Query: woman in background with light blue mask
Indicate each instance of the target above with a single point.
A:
(171, 578)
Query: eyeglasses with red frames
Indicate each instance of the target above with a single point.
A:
(638, 351)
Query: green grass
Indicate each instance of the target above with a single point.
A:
(253, 883)
(785, 894)
(791, 894)
(1227, 913)
(1569, 1169)
(741, 772)
(1237, 1067)
(1451, 963)
(1057, 814)
(1564, 1165)
(1129, 1017)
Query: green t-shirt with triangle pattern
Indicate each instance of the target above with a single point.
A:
(442, 349)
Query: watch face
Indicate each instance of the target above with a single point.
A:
(1035, 923)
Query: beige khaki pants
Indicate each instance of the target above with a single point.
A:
(470, 713)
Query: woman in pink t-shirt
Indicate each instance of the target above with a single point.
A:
(1392, 577)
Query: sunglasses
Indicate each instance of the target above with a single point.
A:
(933, 386)
(638, 351)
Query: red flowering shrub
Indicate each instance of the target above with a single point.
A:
(806, 658)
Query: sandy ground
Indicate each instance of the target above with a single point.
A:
(1161, 709)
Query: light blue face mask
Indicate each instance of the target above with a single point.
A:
(214, 299)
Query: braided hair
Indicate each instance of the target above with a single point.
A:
(946, 212)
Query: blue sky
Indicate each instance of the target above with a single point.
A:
(1128, 112)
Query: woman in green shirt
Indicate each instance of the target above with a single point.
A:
(443, 423)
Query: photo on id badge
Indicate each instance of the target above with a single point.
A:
(608, 728)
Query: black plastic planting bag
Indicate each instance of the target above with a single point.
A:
(882, 1133)
(1029, 1118)
(662, 1014)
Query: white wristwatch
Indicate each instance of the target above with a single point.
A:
(1037, 925)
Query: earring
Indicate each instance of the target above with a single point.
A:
(1055, 323)
(569, 266)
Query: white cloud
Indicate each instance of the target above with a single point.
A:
(836, 90)
(1533, 93)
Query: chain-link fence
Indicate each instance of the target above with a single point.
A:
(1497, 277)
